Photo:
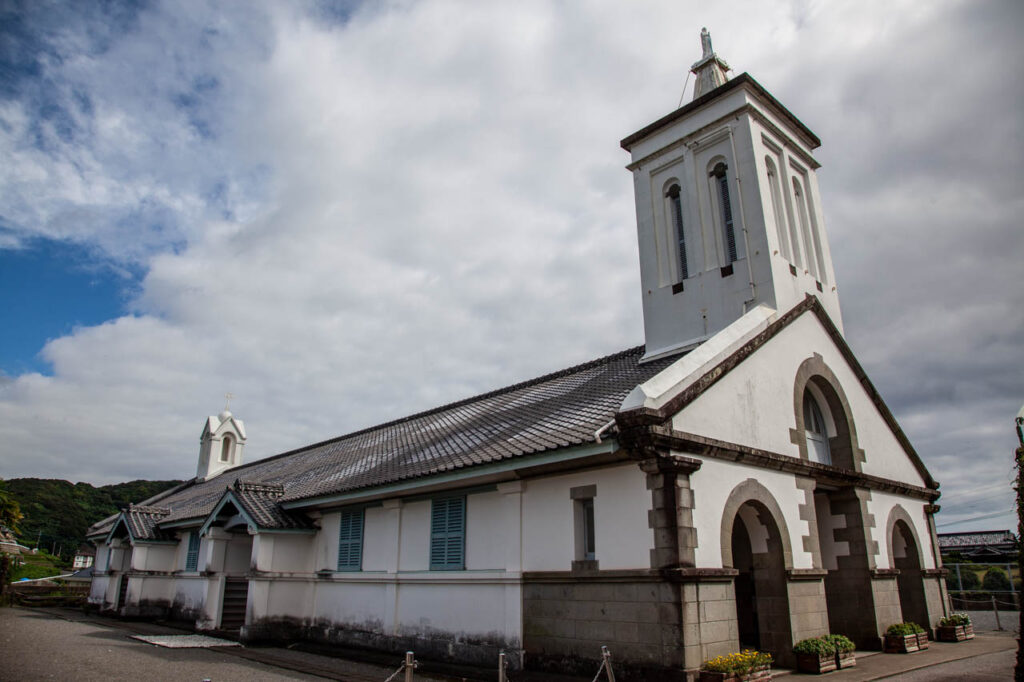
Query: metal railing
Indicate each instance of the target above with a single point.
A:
(410, 664)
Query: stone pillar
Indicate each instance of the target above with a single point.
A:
(708, 610)
(851, 589)
(808, 609)
(671, 514)
(936, 590)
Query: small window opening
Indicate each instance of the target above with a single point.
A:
(677, 222)
(225, 449)
(805, 228)
(817, 432)
(192, 555)
(722, 180)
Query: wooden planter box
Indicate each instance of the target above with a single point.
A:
(922, 641)
(901, 644)
(846, 660)
(812, 663)
(756, 675)
(954, 633)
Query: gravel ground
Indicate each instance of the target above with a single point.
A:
(985, 621)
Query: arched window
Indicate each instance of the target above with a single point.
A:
(676, 209)
(817, 431)
(805, 227)
(721, 182)
(775, 191)
(225, 449)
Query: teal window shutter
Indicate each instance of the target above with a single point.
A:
(448, 534)
(350, 541)
(192, 557)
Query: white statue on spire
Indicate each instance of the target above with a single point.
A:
(710, 69)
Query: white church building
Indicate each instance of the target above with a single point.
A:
(735, 482)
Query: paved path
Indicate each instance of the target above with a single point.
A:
(64, 644)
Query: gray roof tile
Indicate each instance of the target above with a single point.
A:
(551, 412)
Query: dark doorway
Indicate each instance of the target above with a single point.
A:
(762, 589)
(746, 594)
(910, 582)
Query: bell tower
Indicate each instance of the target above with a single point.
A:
(728, 210)
(220, 445)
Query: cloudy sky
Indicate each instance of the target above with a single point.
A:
(345, 213)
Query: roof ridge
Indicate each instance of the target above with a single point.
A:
(458, 403)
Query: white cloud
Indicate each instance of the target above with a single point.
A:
(360, 220)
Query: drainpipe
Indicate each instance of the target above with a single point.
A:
(597, 434)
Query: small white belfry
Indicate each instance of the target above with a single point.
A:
(220, 446)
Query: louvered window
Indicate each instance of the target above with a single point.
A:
(722, 181)
(677, 222)
(448, 534)
(350, 541)
(192, 557)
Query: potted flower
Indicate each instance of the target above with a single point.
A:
(903, 638)
(845, 658)
(815, 655)
(745, 666)
(955, 627)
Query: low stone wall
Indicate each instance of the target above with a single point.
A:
(567, 618)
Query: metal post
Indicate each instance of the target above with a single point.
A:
(995, 610)
(501, 667)
(607, 659)
(959, 581)
(410, 664)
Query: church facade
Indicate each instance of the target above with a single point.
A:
(735, 482)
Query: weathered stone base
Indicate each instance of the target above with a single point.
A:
(636, 614)
(480, 651)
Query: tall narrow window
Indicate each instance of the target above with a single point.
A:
(729, 233)
(676, 205)
(350, 541)
(192, 556)
(817, 432)
(805, 228)
(225, 449)
(775, 192)
(589, 535)
(448, 534)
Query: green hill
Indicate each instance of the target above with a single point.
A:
(57, 513)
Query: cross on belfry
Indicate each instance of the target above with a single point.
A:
(227, 400)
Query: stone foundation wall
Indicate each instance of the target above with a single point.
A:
(885, 591)
(636, 614)
(808, 609)
(709, 621)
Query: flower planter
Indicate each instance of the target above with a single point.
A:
(757, 674)
(922, 641)
(813, 663)
(901, 644)
(846, 659)
(954, 633)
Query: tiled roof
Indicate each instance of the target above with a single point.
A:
(554, 411)
(260, 502)
(976, 539)
(142, 521)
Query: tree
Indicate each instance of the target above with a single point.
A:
(10, 510)
(995, 580)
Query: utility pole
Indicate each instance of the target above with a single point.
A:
(1018, 672)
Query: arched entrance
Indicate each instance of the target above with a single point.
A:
(910, 582)
(761, 586)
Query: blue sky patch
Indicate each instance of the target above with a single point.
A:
(47, 289)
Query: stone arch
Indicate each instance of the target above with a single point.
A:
(844, 446)
(764, 502)
(910, 576)
(897, 514)
(756, 544)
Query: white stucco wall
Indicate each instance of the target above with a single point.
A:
(293, 552)
(881, 505)
(623, 539)
(753, 404)
(712, 485)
